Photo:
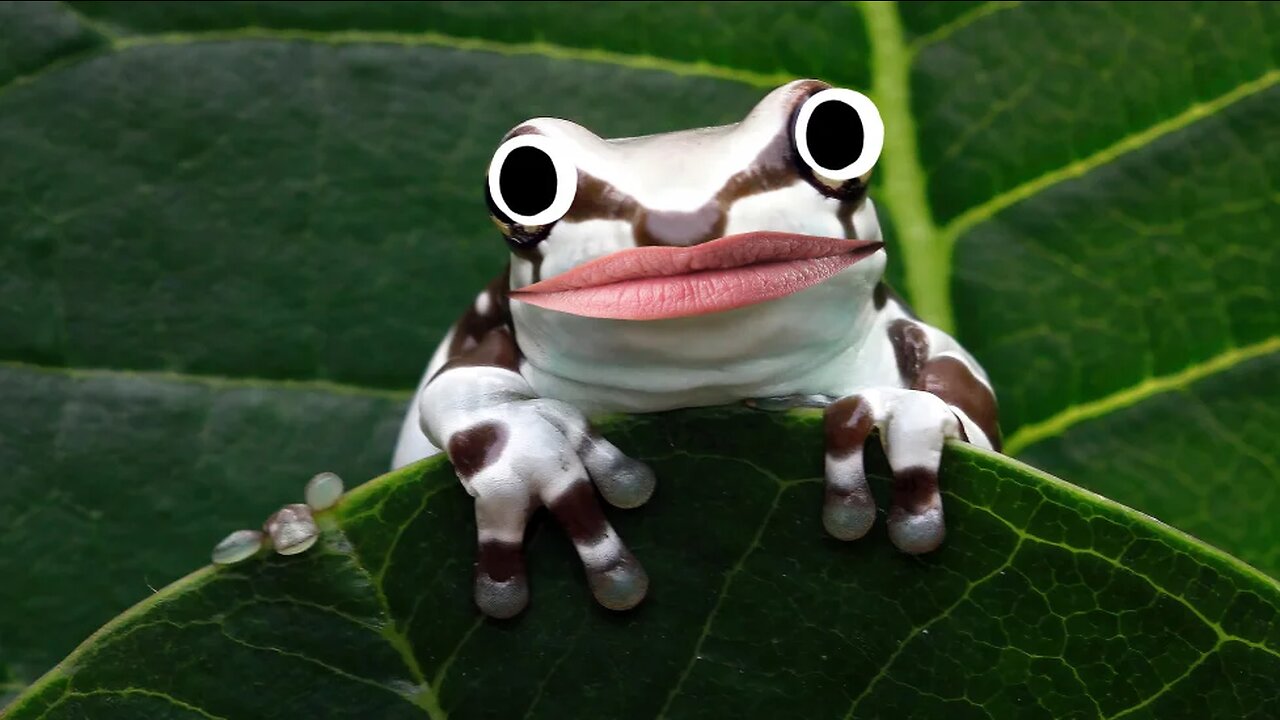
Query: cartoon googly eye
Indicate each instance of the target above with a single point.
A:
(839, 133)
(531, 180)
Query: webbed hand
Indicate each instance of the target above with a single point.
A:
(516, 456)
(913, 426)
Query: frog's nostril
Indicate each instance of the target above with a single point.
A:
(680, 229)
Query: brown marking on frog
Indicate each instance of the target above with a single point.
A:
(884, 294)
(579, 513)
(953, 381)
(598, 199)
(915, 489)
(910, 349)
(845, 216)
(530, 253)
(473, 325)
(477, 447)
(500, 561)
(496, 349)
(773, 168)
(847, 423)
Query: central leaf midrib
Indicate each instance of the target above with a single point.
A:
(926, 261)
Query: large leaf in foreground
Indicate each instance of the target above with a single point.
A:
(1046, 602)
(282, 193)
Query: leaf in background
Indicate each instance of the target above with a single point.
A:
(1045, 602)
(1103, 177)
(231, 206)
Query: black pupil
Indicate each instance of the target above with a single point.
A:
(834, 135)
(527, 181)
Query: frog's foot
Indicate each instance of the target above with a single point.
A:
(519, 455)
(913, 427)
(290, 530)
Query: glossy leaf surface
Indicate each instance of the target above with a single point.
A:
(1045, 602)
(231, 234)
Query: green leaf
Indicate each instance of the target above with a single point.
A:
(94, 518)
(231, 234)
(1108, 202)
(38, 35)
(1045, 602)
(1230, 434)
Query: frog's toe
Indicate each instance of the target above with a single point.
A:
(548, 460)
(624, 482)
(501, 586)
(915, 522)
(915, 436)
(849, 509)
(622, 586)
(617, 580)
(502, 511)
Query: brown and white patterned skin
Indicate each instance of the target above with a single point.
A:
(507, 393)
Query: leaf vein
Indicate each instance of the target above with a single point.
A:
(1169, 685)
(139, 691)
(314, 661)
(635, 61)
(961, 21)
(72, 58)
(919, 629)
(1068, 417)
(213, 381)
(1217, 628)
(720, 598)
(551, 670)
(1128, 144)
(426, 697)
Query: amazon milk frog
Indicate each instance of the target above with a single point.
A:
(686, 269)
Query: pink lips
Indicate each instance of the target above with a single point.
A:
(651, 283)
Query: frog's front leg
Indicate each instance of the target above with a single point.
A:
(941, 397)
(515, 452)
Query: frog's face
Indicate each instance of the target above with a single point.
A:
(696, 222)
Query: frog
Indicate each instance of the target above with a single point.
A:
(741, 263)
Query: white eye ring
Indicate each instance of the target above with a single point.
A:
(566, 179)
(872, 132)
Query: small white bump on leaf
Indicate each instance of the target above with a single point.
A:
(323, 491)
(239, 545)
(292, 529)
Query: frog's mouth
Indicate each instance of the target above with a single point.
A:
(653, 283)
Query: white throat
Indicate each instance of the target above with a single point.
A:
(774, 348)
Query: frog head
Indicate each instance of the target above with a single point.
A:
(686, 245)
